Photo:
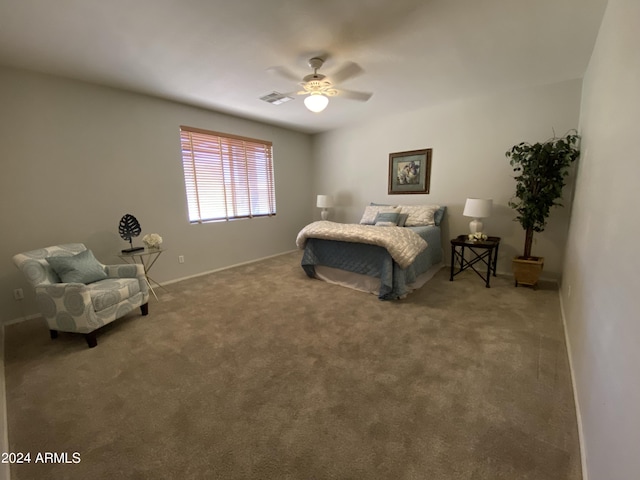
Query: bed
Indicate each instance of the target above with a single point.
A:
(353, 255)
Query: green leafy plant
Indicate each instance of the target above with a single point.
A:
(540, 170)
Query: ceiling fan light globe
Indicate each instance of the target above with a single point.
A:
(316, 102)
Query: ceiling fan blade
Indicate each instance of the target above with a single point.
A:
(294, 93)
(353, 95)
(347, 71)
(283, 72)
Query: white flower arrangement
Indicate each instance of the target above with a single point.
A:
(152, 240)
(477, 236)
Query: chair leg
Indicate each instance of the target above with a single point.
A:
(145, 309)
(54, 334)
(91, 339)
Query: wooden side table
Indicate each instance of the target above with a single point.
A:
(146, 258)
(485, 251)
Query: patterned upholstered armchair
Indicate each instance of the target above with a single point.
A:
(76, 293)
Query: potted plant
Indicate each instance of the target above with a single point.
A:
(540, 170)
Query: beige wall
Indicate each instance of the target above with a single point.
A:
(76, 157)
(601, 282)
(469, 139)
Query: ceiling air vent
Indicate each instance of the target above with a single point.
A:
(276, 98)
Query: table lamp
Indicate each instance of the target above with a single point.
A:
(478, 209)
(324, 202)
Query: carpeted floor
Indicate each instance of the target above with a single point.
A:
(258, 372)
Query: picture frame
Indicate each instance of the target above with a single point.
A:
(410, 172)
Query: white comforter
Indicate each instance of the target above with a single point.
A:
(403, 244)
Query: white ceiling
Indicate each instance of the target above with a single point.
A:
(215, 53)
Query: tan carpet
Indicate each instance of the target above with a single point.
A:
(258, 372)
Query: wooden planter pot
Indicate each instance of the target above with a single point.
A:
(526, 271)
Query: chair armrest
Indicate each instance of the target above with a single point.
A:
(132, 270)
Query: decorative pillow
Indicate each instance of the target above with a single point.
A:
(80, 268)
(370, 212)
(388, 219)
(439, 215)
(419, 215)
(402, 219)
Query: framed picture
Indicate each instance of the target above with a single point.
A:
(410, 172)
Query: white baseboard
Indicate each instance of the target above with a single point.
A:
(583, 453)
(169, 282)
(21, 319)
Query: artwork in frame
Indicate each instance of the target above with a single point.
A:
(410, 172)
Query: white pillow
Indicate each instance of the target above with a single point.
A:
(419, 215)
(370, 212)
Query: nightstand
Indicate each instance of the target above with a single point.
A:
(484, 251)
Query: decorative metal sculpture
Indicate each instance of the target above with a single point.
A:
(129, 227)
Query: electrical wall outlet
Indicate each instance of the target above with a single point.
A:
(180, 258)
(18, 294)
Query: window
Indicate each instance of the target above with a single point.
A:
(226, 176)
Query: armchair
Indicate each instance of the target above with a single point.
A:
(79, 307)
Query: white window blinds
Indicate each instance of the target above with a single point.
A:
(226, 176)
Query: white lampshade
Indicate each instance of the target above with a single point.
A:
(316, 102)
(477, 208)
(324, 201)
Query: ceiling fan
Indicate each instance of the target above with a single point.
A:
(318, 87)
